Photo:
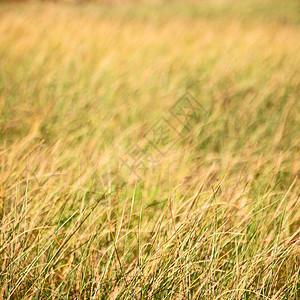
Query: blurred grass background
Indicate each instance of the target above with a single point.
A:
(217, 217)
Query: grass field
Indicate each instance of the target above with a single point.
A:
(150, 150)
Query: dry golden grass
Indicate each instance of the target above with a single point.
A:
(216, 217)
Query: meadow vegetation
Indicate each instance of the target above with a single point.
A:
(216, 217)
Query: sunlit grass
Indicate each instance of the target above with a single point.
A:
(215, 217)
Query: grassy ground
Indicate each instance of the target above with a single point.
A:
(94, 201)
